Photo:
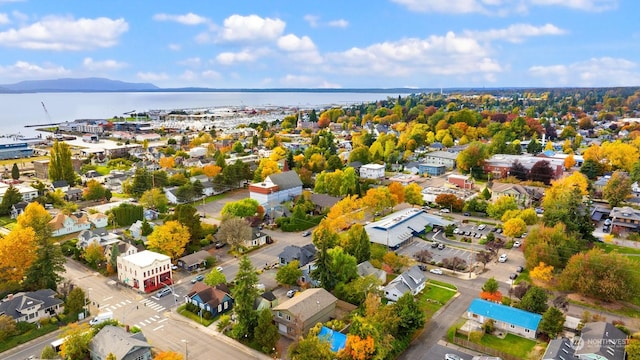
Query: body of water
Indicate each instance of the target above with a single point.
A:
(18, 110)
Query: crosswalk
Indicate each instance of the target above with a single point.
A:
(148, 303)
(153, 305)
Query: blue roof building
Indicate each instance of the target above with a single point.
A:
(507, 318)
(337, 339)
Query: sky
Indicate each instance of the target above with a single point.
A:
(324, 44)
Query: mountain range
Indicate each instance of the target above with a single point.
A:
(93, 84)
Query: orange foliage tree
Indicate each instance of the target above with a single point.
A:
(167, 162)
(211, 170)
(168, 355)
(494, 296)
(397, 191)
(542, 272)
(358, 348)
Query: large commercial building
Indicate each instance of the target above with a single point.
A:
(145, 271)
(15, 151)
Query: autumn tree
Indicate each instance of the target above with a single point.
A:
(490, 290)
(17, 253)
(60, 165)
(344, 213)
(48, 352)
(411, 315)
(379, 199)
(569, 162)
(215, 277)
(94, 191)
(397, 192)
(93, 254)
(167, 162)
(7, 327)
(633, 349)
(514, 227)
(311, 347)
(357, 243)
(187, 215)
(242, 208)
(541, 171)
(289, 274)
(604, 276)
(234, 231)
(75, 301)
(266, 168)
(550, 245)
(501, 205)
(170, 238)
(552, 322)
(563, 203)
(472, 157)
(542, 272)
(484, 257)
(413, 194)
(617, 189)
(155, 199)
(211, 170)
(168, 355)
(76, 341)
(357, 348)
(244, 294)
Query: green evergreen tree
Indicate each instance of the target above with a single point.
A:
(266, 333)
(44, 272)
(244, 293)
(11, 197)
(15, 172)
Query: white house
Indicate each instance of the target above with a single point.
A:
(136, 229)
(197, 152)
(372, 171)
(276, 188)
(31, 306)
(507, 318)
(412, 280)
(62, 224)
(99, 220)
(445, 158)
(145, 271)
(28, 193)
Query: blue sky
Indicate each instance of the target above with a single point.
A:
(324, 44)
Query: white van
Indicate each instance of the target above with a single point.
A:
(102, 317)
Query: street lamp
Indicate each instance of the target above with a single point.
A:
(86, 304)
(186, 349)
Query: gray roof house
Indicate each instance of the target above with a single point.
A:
(31, 306)
(292, 252)
(601, 340)
(276, 188)
(119, 342)
(365, 269)
(559, 349)
(193, 261)
(412, 280)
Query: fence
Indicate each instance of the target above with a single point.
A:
(483, 349)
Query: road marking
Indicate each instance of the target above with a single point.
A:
(106, 305)
(158, 328)
(153, 319)
(147, 321)
(107, 298)
(128, 301)
(163, 320)
(118, 305)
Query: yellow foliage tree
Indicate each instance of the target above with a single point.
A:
(169, 238)
(267, 167)
(567, 183)
(344, 213)
(211, 170)
(514, 227)
(548, 146)
(168, 355)
(542, 272)
(167, 162)
(17, 252)
(619, 155)
(278, 153)
(569, 162)
(358, 348)
(378, 199)
(397, 191)
(37, 218)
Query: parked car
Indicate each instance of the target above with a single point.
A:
(436, 271)
(174, 267)
(456, 230)
(482, 226)
(467, 214)
(306, 233)
(499, 231)
(520, 269)
(422, 267)
(608, 222)
(516, 244)
(291, 293)
(220, 245)
(502, 258)
(219, 268)
(197, 278)
(444, 210)
(452, 357)
(513, 276)
(163, 292)
(434, 245)
(441, 246)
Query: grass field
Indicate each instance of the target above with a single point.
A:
(511, 344)
(9, 162)
(433, 298)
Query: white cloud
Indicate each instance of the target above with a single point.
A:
(501, 7)
(90, 64)
(304, 81)
(604, 71)
(4, 19)
(341, 23)
(174, 47)
(586, 5)
(516, 32)
(436, 55)
(23, 70)
(56, 33)
(312, 20)
(250, 28)
(186, 19)
(230, 58)
(191, 62)
(291, 42)
(151, 76)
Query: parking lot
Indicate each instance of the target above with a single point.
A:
(438, 254)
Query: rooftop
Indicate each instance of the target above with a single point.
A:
(505, 313)
(146, 258)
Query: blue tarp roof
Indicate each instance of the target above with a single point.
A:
(337, 339)
(505, 314)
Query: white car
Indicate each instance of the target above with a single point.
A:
(452, 357)
(516, 244)
(456, 230)
(502, 258)
(482, 226)
(436, 271)
(444, 210)
(219, 268)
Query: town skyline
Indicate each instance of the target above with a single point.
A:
(423, 44)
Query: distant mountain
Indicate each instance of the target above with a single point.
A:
(76, 85)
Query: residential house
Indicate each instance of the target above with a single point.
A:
(625, 219)
(213, 299)
(404, 179)
(119, 342)
(559, 349)
(73, 195)
(171, 194)
(400, 227)
(448, 159)
(600, 183)
(18, 209)
(62, 224)
(28, 193)
(145, 271)
(150, 214)
(31, 306)
(258, 238)
(63, 185)
(411, 281)
(601, 340)
(461, 181)
(372, 171)
(124, 249)
(193, 261)
(136, 230)
(304, 254)
(323, 202)
(525, 196)
(499, 165)
(516, 321)
(365, 269)
(266, 300)
(99, 236)
(297, 315)
(599, 212)
(99, 220)
(276, 188)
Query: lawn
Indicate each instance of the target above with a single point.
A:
(14, 341)
(433, 298)
(511, 344)
(195, 317)
(621, 249)
(5, 220)
(443, 284)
